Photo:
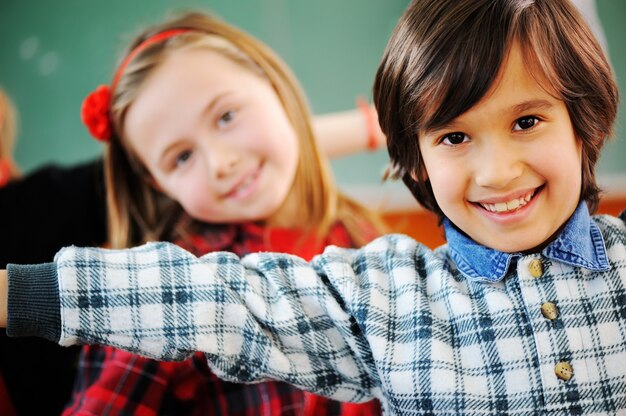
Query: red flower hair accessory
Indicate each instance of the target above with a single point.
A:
(5, 172)
(95, 113)
(96, 109)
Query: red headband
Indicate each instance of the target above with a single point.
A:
(95, 111)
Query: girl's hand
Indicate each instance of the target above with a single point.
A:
(348, 132)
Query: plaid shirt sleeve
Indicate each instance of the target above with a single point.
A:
(252, 317)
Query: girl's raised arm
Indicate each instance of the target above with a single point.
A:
(348, 132)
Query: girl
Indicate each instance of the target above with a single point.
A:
(210, 145)
(75, 198)
(523, 311)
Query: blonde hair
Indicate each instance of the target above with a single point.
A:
(138, 213)
(8, 131)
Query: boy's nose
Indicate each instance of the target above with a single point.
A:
(497, 166)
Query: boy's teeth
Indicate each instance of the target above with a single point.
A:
(500, 206)
(514, 204)
(510, 205)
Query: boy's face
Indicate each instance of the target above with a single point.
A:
(508, 171)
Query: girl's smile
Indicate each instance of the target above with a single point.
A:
(246, 185)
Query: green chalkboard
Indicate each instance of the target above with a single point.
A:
(53, 52)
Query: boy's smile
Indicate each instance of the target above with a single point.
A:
(502, 205)
(508, 171)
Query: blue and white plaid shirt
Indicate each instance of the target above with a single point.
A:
(393, 320)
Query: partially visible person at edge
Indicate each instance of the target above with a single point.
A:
(41, 212)
(8, 172)
(523, 311)
(233, 165)
(8, 132)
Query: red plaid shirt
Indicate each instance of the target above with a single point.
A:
(115, 382)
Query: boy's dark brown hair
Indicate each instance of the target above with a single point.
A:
(444, 55)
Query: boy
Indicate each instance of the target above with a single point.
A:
(522, 312)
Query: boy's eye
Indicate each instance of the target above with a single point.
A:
(226, 118)
(524, 123)
(454, 139)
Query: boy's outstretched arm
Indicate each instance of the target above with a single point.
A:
(264, 316)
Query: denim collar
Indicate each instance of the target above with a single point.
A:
(579, 244)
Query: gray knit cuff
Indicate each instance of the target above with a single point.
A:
(33, 304)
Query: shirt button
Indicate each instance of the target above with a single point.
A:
(535, 268)
(564, 370)
(549, 311)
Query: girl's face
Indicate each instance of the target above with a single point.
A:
(215, 137)
(508, 171)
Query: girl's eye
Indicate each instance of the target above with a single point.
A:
(226, 118)
(525, 123)
(454, 139)
(181, 158)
